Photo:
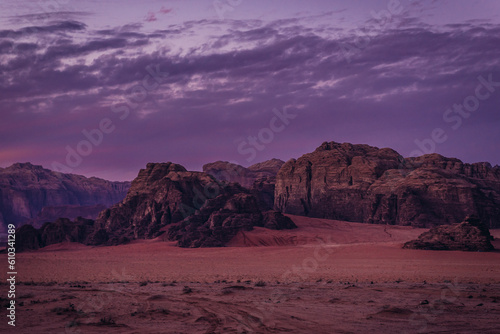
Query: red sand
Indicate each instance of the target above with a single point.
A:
(325, 271)
(319, 248)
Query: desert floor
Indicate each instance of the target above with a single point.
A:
(324, 277)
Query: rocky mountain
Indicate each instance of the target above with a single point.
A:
(259, 178)
(192, 208)
(161, 194)
(470, 235)
(362, 183)
(25, 189)
(164, 194)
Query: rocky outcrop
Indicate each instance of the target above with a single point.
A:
(25, 189)
(470, 235)
(162, 194)
(221, 218)
(229, 172)
(165, 194)
(52, 213)
(362, 183)
(30, 238)
(259, 178)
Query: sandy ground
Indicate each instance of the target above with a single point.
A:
(324, 277)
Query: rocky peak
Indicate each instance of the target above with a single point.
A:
(161, 194)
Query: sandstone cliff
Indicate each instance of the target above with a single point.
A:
(362, 183)
(25, 189)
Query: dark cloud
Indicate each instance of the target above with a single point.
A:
(389, 88)
(48, 16)
(65, 26)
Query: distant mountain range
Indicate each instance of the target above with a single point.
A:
(30, 193)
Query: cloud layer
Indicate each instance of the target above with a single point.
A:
(386, 85)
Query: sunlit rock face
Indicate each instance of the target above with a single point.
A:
(361, 183)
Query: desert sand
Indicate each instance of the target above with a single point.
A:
(324, 277)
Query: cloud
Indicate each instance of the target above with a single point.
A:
(49, 16)
(394, 88)
(164, 10)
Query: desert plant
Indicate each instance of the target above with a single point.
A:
(260, 283)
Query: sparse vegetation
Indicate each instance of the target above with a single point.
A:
(64, 310)
(260, 283)
(106, 321)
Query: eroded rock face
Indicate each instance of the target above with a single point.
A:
(52, 213)
(362, 183)
(29, 238)
(162, 194)
(25, 189)
(259, 178)
(469, 235)
(221, 218)
(229, 172)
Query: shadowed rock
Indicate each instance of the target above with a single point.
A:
(469, 235)
(259, 178)
(51, 213)
(161, 194)
(29, 238)
(221, 218)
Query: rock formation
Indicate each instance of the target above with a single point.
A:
(259, 178)
(362, 183)
(52, 213)
(229, 172)
(166, 193)
(25, 189)
(221, 218)
(469, 235)
(193, 207)
(161, 194)
(30, 238)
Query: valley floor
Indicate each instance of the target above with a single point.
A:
(324, 277)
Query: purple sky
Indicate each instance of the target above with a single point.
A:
(198, 81)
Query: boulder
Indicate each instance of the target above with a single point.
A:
(470, 235)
